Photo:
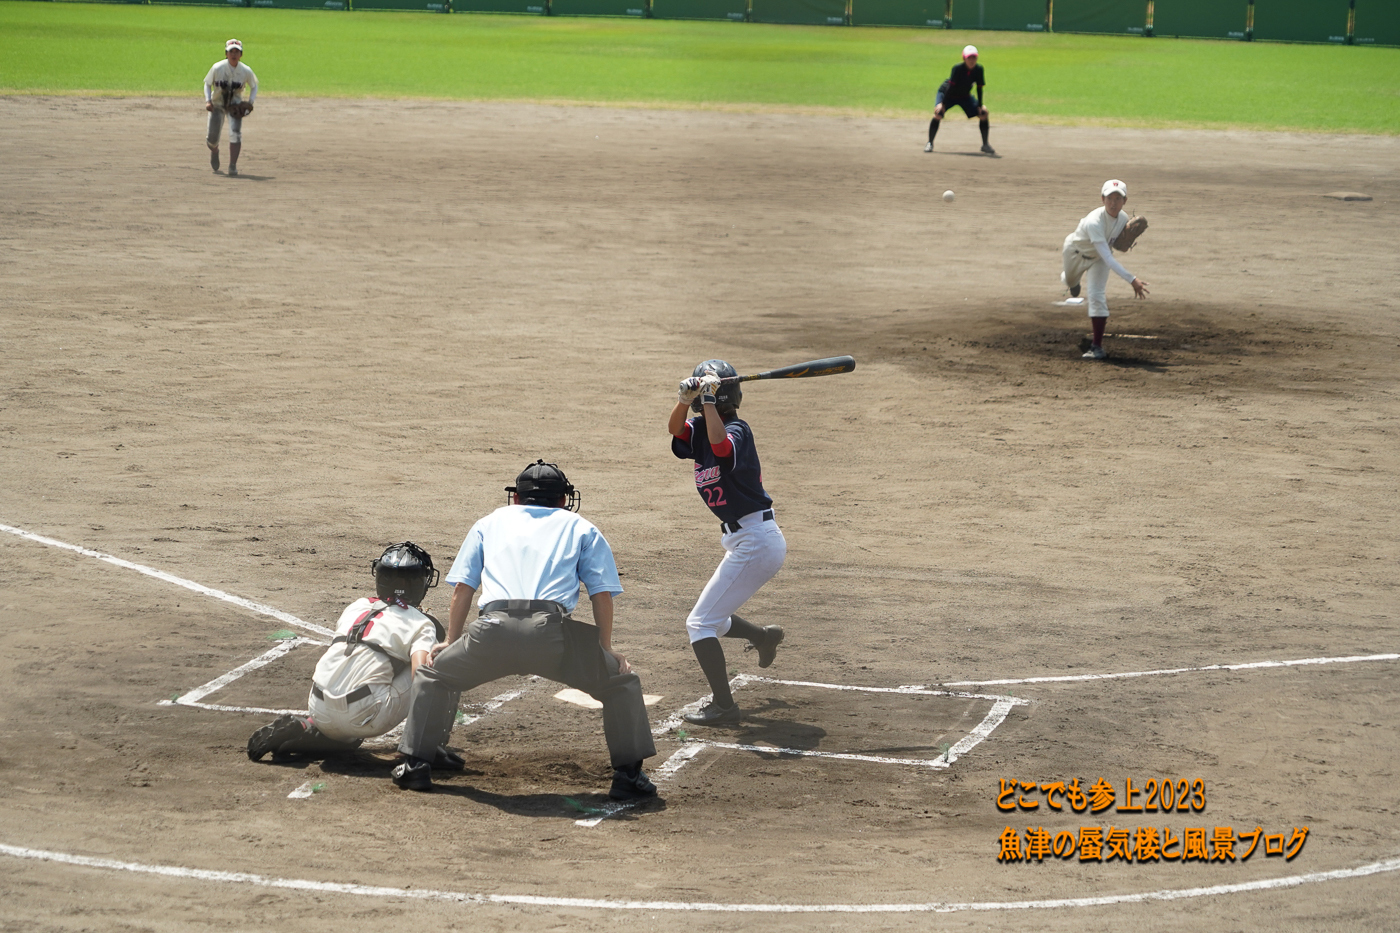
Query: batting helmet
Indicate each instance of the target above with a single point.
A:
(403, 572)
(543, 483)
(729, 396)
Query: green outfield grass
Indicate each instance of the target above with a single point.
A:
(157, 50)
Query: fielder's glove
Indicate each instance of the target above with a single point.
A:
(1135, 228)
(240, 109)
(689, 389)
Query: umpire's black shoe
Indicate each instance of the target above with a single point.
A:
(413, 774)
(768, 648)
(449, 760)
(712, 714)
(631, 786)
(271, 736)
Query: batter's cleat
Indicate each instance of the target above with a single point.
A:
(1095, 353)
(768, 648)
(214, 159)
(987, 148)
(631, 786)
(413, 774)
(233, 171)
(449, 760)
(712, 714)
(1074, 290)
(928, 148)
(271, 736)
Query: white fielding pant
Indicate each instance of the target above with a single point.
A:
(753, 555)
(1093, 271)
(384, 708)
(216, 125)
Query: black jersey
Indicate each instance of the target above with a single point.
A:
(961, 83)
(731, 486)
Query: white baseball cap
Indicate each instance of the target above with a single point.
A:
(969, 50)
(1114, 186)
(233, 44)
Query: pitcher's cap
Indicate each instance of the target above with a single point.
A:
(233, 44)
(1114, 186)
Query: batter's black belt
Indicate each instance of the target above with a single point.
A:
(732, 527)
(524, 607)
(359, 693)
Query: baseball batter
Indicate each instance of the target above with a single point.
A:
(527, 560)
(1088, 257)
(223, 96)
(730, 481)
(360, 688)
(957, 92)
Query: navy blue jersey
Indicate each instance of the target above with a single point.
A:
(731, 486)
(962, 82)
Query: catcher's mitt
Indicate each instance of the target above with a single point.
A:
(242, 108)
(1135, 228)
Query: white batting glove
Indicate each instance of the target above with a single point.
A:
(689, 389)
(709, 385)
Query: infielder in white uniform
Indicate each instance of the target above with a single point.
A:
(730, 480)
(1088, 257)
(223, 96)
(361, 685)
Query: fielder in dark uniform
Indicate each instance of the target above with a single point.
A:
(730, 480)
(957, 91)
(527, 559)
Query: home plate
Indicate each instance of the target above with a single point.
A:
(1069, 303)
(579, 698)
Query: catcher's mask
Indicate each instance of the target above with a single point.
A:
(543, 483)
(729, 396)
(404, 571)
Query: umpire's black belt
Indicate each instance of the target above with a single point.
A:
(359, 693)
(732, 527)
(522, 608)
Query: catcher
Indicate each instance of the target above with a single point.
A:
(223, 94)
(1088, 257)
(361, 685)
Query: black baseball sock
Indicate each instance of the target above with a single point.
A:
(1098, 324)
(986, 127)
(743, 628)
(711, 657)
(933, 129)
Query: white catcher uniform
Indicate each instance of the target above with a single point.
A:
(1089, 257)
(358, 691)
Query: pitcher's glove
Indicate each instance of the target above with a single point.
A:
(1135, 228)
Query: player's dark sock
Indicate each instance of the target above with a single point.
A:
(1099, 324)
(711, 657)
(933, 129)
(233, 150)
(743, 628)
(986, 128)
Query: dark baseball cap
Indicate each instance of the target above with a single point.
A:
(541, 480)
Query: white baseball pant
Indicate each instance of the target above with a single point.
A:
(1093, 271)
(384, 708)
(753, 556)
(216, 125)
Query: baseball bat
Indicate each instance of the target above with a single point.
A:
(827, 367)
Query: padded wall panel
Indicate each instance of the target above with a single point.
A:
(897, 13)
(1110, 16)
(1301, 20)
(1204, 19)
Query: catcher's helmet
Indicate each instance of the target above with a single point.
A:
(543, 483)
(404, 571)
(729, 396)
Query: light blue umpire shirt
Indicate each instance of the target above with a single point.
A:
(535, 552)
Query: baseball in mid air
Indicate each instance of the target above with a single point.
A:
(948, 196)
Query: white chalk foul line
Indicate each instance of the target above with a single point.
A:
(526, 900)
(200, 588)
(1248, 666)
(193, 697)
(679, 759)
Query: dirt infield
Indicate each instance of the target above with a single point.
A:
(256, 383)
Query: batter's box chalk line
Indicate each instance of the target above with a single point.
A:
(581, 903)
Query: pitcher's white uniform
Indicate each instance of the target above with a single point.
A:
(1088, 256)
(382, 684)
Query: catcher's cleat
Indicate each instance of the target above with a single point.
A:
(987, 148)
(1074, 290)
(413, 774)
(214, 159)
(271, 736)
(449, 760)
(768, 647)
(928, 148)
(1095, 353)
(631, 786)
(712, 714)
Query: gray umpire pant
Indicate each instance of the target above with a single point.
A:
(529, 637)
